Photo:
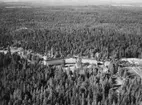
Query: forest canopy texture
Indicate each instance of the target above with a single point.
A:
(113, 32)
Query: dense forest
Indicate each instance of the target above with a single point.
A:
(113, 32)
(26, 84)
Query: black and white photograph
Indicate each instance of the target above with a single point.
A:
(70, 52)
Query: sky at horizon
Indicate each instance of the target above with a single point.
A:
(76, 1)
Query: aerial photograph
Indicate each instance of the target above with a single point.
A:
(70, 52)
